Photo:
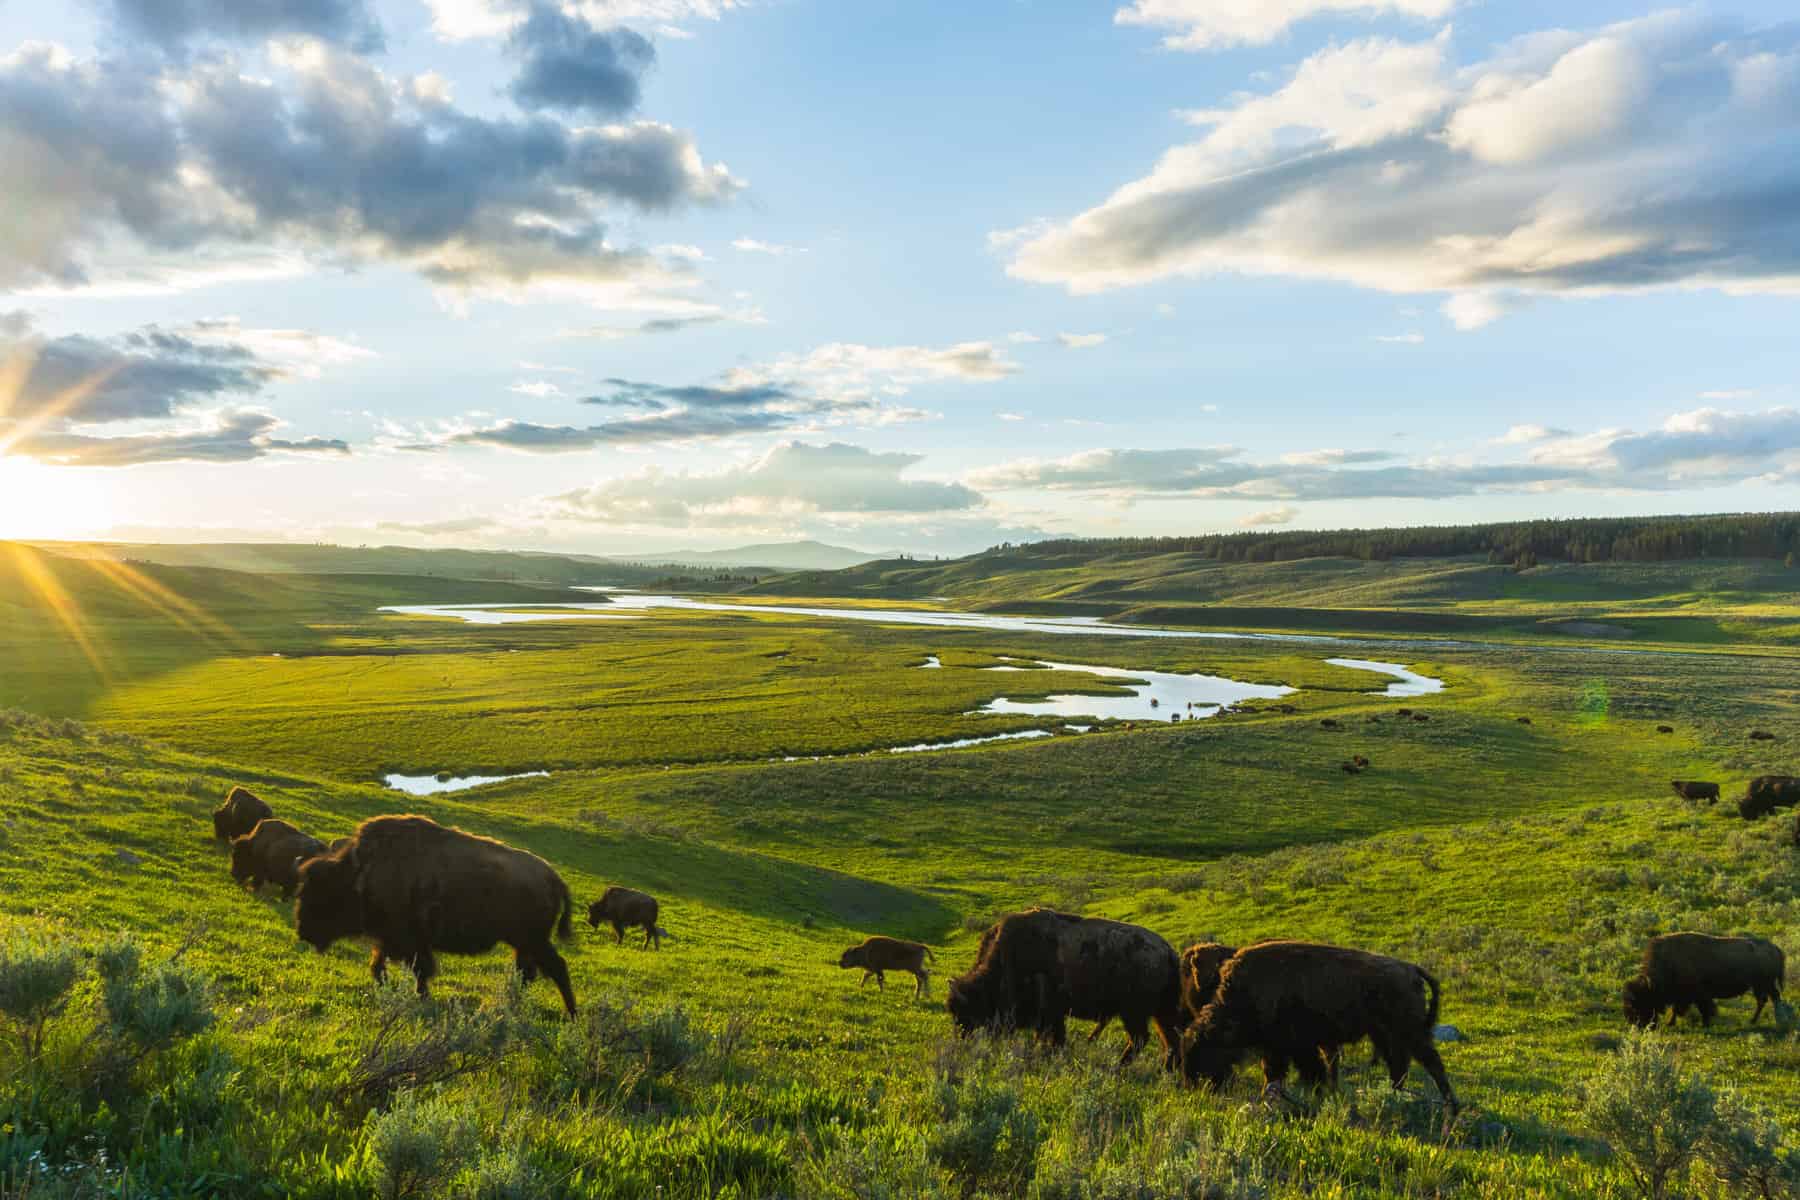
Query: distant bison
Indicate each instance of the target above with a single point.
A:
(1665, 729)
(1418, 716)
(1696, 789)
(878, 954)
(272, 853)
(1696, 969)
(1350, 768)
(1403, 712)
(1037, 968)
(1524, 720)
(415, 887)
(623, 908)
(1766, 793)
(1761, 735)
(1328, 723)
(1298, 1004)
(1361, 760)
(239, 814)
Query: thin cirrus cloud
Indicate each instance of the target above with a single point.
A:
(1213, 24)
(1702, 448)
(1080, 341)
(1657, 152)
(792, 480)
(330, 160)
(1281, 515)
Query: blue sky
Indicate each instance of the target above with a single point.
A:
(622, 274)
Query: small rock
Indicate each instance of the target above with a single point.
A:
(128, 858)
(1446, 1033)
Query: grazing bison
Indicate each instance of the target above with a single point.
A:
(1403, 712)
(1524, 720)
(416, 888)
(1037, 968)
(272, 853)
(1766, 793)
(1361, 760)
(1420, 717)
(624, 908)
(1665, 729)
(1350, 768)
(1299, 1003)
(1696, 969)
(1696, 789)
(1200, 965)
(239, 814)
(878, 954)
(1328, 722)
(1761, 735)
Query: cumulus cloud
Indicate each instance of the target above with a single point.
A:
(1705, 447)
(172, 23)
(1211, 24)
(567, 64)
(1269, 516)
(333, 160)
(1658, 152)
(794, 479)
(1080, 341)
(224, 436)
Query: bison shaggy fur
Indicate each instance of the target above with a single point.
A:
(272, 853)
(623, 908)
(1299, 1003)
(878, 954)
(1766, 793)
(1682, 970)
(239, 814)
(1037, 968)
(417, 888)
(1696, 789)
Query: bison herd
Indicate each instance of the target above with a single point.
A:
(416, 889)
(1762, 795)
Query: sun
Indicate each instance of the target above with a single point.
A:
(52, 503)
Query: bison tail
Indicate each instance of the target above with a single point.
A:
(1431, 1007)
(929, 955)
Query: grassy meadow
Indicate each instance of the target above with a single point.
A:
(199, 1049)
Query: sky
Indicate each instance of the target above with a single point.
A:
(620, 275)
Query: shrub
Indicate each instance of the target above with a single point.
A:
(417, 1046)
(985, 1136)
(150, 1010)
(1653, 1116)
(35, 980)
(881, 1162)
(1747, 1152)
(418, 1144)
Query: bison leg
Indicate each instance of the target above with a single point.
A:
(523, 964)
(424, 966)
(545, 956)
(1100, 1028)
(1428, 1058)
(649, 932)
(924, 978)
(618, 933)
(867, 975)
(880, 982)
(1708, 1010)
(1274, 1068)
(378, 964)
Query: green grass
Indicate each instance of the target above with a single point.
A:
(1523, 864)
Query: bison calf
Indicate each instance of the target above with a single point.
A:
(1298, 1004)
(1037, 968)
(272, 853)
(239, 814)
(1696, 789)
(623, 909)
(415, 888)
(878, 954)
(1682, 970)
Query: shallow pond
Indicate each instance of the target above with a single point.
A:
(431, 785)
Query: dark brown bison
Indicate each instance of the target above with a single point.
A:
(1200, 965)
(1665, 729)
(272, 853)
(1328, 722)
(1350, 768)
(1766, 793)
(1421, 717)
(239, 814)
(417, 888)
(1037, 968)
(1298, 1004)
(1403, 712)
(623, 909)
(1680, 970)
(1524, 720)
(1361, 760)
(1696, 789)
(1761, 735)
(878, 954)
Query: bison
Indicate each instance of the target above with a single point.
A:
(1299, 1003)
(239, 814)
(416, 888)
(1200, 965)
(1037, 968)
(624, 909)
(1328, 722)
(1419, 716)
(1524, 720)
(1766, 793)
(1665, 729)
(878, 954)
(272, 853)
(1696, 789)
(1680, 970)
(1761, 735)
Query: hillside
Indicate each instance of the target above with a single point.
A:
(778, 556)
(305, 558)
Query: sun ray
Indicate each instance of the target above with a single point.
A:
(59, 604)
(15, 375)
(155, 594)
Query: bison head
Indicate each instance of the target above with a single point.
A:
(1200, 965)
(971, 1005)
(853, 957)
(220, 830)
(243, 858)
(597, 912)
(1640, 1002)
(1205, 1058)
(329, 906)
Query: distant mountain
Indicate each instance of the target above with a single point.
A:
(779, 556)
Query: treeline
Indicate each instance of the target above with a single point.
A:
(1525, 543)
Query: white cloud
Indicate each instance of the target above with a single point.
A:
(1211, 24)
(1080, 341)
(1401, 339)
(1269, 516)
(750, 245)
(1524, 435)
(539, 388)
(1021, 337)
(458, 20)
(1336, 458)
(1658, 152)
(683, 250)
(853, 371)
(1010, 416)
